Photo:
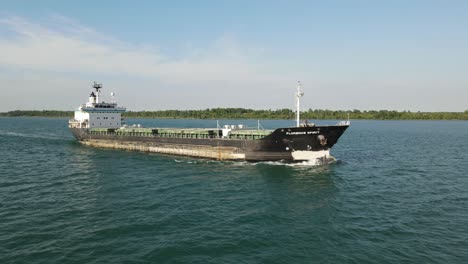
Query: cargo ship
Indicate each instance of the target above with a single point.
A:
(100, 124)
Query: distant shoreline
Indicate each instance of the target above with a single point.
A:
(241, 113)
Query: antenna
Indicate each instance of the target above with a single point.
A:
(97, 86)
(299, 94)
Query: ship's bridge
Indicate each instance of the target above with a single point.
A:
(101, 107)
(98, 114)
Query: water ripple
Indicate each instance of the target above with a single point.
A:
(389, 198)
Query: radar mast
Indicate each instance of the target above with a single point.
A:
(299, 94)
(97, 86)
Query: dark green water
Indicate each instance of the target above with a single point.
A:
(398, 194)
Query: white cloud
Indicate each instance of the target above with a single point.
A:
(37, 47)
(71, 47)
(222, 74)
(40, 59)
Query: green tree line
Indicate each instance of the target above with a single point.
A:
(37, 113)
(242, 113)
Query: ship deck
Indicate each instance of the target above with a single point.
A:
(202, 133)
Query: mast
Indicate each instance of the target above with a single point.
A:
(97, 86)
(299, 94)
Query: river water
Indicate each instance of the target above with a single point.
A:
(397, 194)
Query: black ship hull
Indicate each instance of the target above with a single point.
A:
(283, 144)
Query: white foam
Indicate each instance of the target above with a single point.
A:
(306, 155)
(305, 163)
(185, 161)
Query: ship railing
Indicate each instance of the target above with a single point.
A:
(73, 123)
(233, 127)
(344, 123)
(180, 133)
(94, 106)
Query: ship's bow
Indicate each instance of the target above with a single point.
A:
(297, 144)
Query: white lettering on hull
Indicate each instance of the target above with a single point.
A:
(289, 133)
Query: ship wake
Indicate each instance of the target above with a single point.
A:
(37, 136)
(306, 163)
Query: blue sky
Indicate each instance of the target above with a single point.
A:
(397, 55)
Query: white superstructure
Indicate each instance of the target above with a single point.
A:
(97, 114)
